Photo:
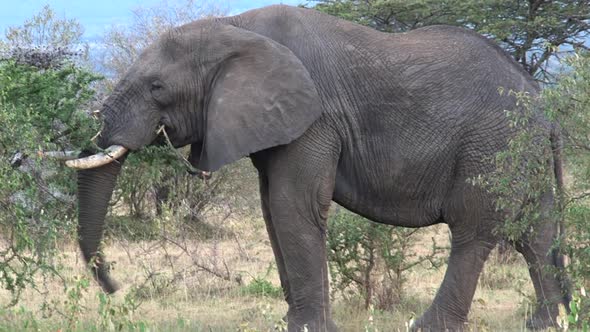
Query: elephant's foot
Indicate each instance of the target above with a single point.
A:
(543, 318)
(437, 321)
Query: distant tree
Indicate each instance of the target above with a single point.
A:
(125, 43)
(43, 34)
(534, 32)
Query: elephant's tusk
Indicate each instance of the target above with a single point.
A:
(96, 160)
(59, 155)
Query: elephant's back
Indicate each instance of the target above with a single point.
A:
(353, 65)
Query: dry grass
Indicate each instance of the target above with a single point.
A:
(181, 285)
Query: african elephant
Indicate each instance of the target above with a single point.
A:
(390, 126)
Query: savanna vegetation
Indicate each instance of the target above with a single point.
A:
(193, 254)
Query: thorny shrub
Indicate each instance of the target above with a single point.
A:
(373, 260)
(39, 110)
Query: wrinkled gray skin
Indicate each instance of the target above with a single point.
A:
(390, 126)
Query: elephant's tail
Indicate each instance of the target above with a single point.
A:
(559, 258)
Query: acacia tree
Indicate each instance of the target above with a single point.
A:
(535, 32)
(45, 29)
(43, 38)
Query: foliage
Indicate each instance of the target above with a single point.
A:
(73, 303)
(359, 250)
(524, 171)
(532, 31)
(118, 316)
(156, 179)
(568, 103)
(578, 313)
(42, 59)
(45, 29)
(112, 314)
(265, 310)
(580, 309)
(260, 286)
(39, 110)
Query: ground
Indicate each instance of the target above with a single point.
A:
(179, 284)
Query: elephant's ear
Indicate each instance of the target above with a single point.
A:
(262, 96)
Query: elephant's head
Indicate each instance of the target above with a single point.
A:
(226, 91)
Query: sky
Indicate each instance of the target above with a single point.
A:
(98, 15)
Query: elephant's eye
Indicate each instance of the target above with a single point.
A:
(157, 85)
(157, 90)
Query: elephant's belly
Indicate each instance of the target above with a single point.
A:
(400, 212)
(401, 197)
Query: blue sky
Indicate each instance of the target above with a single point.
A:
(97, 15)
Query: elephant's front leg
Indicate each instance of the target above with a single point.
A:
(265, 206)
(300, 187)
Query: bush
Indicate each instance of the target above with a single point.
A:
(359, 251)
(39, 110)
(261, 286)
(520, 173)
(568, 102)
(264, 288)
(578, 314)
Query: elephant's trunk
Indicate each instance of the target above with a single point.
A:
(95, 187)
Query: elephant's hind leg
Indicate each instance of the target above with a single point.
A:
(450, 307)
(472, 242)
(537, 251)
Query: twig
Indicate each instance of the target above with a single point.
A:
(95, 136)
(192, 170)
(59, 155)
(221, 275)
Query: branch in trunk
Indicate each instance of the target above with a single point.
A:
(59, 155)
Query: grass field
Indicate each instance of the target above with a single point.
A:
(226, 281)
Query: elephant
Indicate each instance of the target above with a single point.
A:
(389, 126)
